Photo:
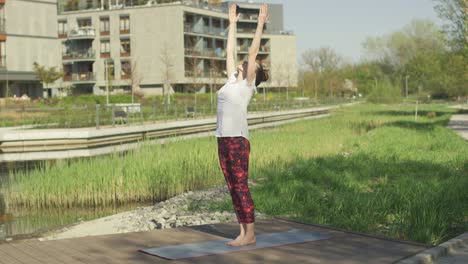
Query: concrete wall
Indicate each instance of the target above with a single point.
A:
(31, 28)
(283, 60)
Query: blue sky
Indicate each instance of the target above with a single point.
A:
(344, 24)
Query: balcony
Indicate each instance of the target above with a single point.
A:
(83, 77)
(217, 53)
(83, 55)
(205, 30)
(82, 33)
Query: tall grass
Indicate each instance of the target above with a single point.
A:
(368, 168)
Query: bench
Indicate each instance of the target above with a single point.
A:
(120, 116)
(189, 111)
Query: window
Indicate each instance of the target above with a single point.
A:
(126, 69)
(84, 22)
(104, 26)
(2, 54)
(110, 70)
(62, 29)
(125, 47)
(105, 48)
(124, 24)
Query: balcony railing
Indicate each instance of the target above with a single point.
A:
(84, 32)
(211, 53)
(205, 30)
(80, 77)
(248, 17)
(79, 55)
(245, 49)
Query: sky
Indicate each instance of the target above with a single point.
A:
(344, 24)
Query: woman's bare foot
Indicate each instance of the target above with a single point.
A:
(235, 241)
(244, 241)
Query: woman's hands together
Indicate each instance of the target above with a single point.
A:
(233, 17)
(263, 15)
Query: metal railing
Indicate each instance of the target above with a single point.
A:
(83, 32)
(80, 77)
(124, 115)
(206, 30)
(79, 55)
(207, 52)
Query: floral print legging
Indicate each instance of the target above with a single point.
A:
(233, 153)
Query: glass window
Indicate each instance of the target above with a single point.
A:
(126, 68)
(84, 22)
(125, 23)
(104, 24)
(62, 27)
(125, 46)
(105, 46)
(110, 69)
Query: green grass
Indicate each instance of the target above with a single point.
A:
(368, 168)
(393, 177)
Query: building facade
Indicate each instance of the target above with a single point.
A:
(150, 46)
(27, 34)
(158, 46)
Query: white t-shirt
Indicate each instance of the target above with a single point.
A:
(233, 99)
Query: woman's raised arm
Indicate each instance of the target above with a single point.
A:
(253, 50)
(231, 43)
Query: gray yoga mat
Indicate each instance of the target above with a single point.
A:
(292, 236)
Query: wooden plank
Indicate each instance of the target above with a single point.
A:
(57, 254)
(44, 256)
(76, 251)
(85, 249)
(6, 258)
(18, 254)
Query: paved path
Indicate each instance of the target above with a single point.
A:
(459, 123)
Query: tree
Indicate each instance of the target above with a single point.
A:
(46, 76)
(454, 12)
(323, 62)
(394, 50)
(167, 68)
(134, 77)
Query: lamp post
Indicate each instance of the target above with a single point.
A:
(406, 86)
(106, 72)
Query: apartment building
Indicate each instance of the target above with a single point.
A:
(27, 34)
(158, 46)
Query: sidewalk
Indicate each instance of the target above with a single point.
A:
(459, 124)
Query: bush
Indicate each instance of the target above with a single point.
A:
(385, 92)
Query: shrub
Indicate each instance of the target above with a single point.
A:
(385, 92)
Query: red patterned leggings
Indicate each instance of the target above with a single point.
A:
(233, 153)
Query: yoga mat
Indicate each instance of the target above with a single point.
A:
(292, 236)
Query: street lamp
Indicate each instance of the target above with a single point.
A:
(406, 86)
(106, 72)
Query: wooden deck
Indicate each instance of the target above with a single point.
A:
(343, 247)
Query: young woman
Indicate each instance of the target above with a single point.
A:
(232, 130)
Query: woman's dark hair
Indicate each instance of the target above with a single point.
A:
(262, 75)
